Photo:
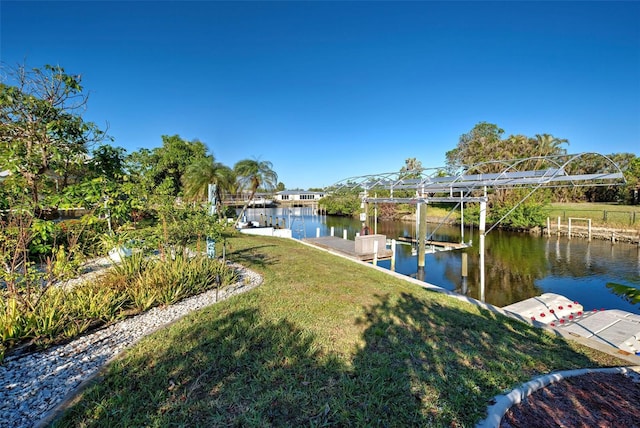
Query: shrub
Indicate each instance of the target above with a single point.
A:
(44, 314)
(83, 234)
(94, 302)
(43, 236)
(12, 319)
(341, 203)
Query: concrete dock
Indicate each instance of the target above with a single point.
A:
(348, 248)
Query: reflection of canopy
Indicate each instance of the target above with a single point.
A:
(580, 170)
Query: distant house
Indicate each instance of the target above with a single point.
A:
(298, 196)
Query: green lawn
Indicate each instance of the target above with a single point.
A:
(601, 214)
(323, 342)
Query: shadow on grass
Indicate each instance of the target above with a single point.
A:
(223, 369)
(252, 256)
(437, 365)
(422, 364)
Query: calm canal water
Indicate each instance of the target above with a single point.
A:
(597, 274)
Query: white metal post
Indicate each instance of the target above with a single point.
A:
(375, 253)
(393, 255)
(461, 219)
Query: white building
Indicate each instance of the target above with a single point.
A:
(298, 196)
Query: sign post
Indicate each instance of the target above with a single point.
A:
(211, 248)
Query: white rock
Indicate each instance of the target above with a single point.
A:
(32, 385)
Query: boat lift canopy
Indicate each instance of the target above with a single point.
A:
(433, 185)
(470, 184)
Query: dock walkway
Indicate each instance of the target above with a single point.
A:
(347, 248)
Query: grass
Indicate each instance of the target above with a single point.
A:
(323, 342)
(601, 214)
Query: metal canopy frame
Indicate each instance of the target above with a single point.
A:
(536, 172)
(470, 184)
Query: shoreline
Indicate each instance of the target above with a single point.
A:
(629, 236)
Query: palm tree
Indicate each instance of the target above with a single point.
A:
(411, 169)
(548, 145)
(201, 173)
(252, 174)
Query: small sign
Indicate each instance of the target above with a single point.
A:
(211, 248)
(363, 216)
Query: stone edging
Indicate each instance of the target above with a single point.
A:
(504, 402)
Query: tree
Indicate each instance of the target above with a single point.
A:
(484, 143)
(253, 174)
(630, 167)
(169, 162)
(481, 144)
(411, 164)
(203, 172)
(108, 161)
(412, 168)
(42, 132)
(140, 166)
(632, 174)
(515, 147)
(343, 203)
(547, 145)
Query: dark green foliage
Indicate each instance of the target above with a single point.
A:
(524, 216)
(45, 316)
(341, 203)
(44, 138)
(511, 213)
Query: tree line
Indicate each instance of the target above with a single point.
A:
(484, 149)
(485, 142)
(51, 158)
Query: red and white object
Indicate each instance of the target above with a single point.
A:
(548, 308)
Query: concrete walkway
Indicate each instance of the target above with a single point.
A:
(346, 247)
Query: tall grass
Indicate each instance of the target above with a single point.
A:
(601, 214)
(136, 285)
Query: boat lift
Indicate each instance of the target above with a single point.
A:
(471, 184)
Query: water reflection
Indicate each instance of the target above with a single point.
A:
(517, 266)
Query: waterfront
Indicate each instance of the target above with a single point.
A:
(597, 274)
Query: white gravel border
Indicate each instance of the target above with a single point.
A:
(36, 387)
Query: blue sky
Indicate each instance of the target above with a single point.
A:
(329, 90)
